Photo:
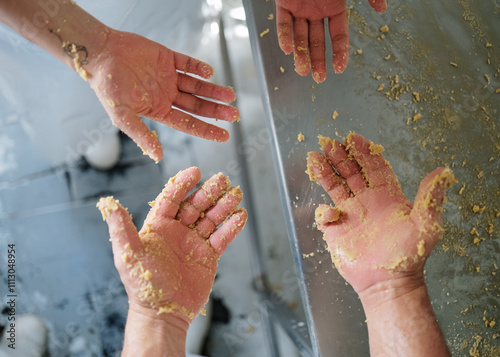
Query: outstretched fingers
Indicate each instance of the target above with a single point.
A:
(122, 231)
(428, 206)
(346, 166)
(203, 198)
(377, 171)
(320, 170)
(216, 214)
(186, 123)
(224, 235)
(168, 201)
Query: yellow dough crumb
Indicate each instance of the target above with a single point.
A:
(384, 29)
(263, 33)
(376, 149)
(454, 64)
(270, 16)
(421, 248)
(173, 307)
(300, 137)
(335, 114)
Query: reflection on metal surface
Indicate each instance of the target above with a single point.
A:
(426, 88)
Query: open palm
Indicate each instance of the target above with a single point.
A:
(170, 265)
(300, 26)
(374, 233)
(135, 77)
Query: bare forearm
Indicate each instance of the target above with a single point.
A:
(154, 336)
(60, 27)
(401, 321)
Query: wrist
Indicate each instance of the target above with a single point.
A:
(400, 319)
(390, 291)
(149, 334)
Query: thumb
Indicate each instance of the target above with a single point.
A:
(122, 231)
(326, 215)
(130, 123)
(428, 206)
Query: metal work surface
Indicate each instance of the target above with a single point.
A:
(428, 90)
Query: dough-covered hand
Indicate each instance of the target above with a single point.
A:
(134, 77)
(169, 266)
(300, 25)
(374, 233)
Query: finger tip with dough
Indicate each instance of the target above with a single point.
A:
(206, 71)
(378, 5)
(287, 48)
(319, 77)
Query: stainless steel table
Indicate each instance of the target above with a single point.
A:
(428, 91)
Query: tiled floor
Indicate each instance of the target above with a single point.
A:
(65, 271)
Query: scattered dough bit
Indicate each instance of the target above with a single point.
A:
(421, 248)
(497, 90)
(111, 103)
(416, 97)
(477, 209)
(381, 87)
(384, 29)
(454, 64)
(376, 149)
(487, 78)
(263, 33)
(480, 175)
(488, 45)
(360, 51)
(335, 114)
(416, 117)
(282, 70)
(270, 16)
(387, 57)
(300, 137)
